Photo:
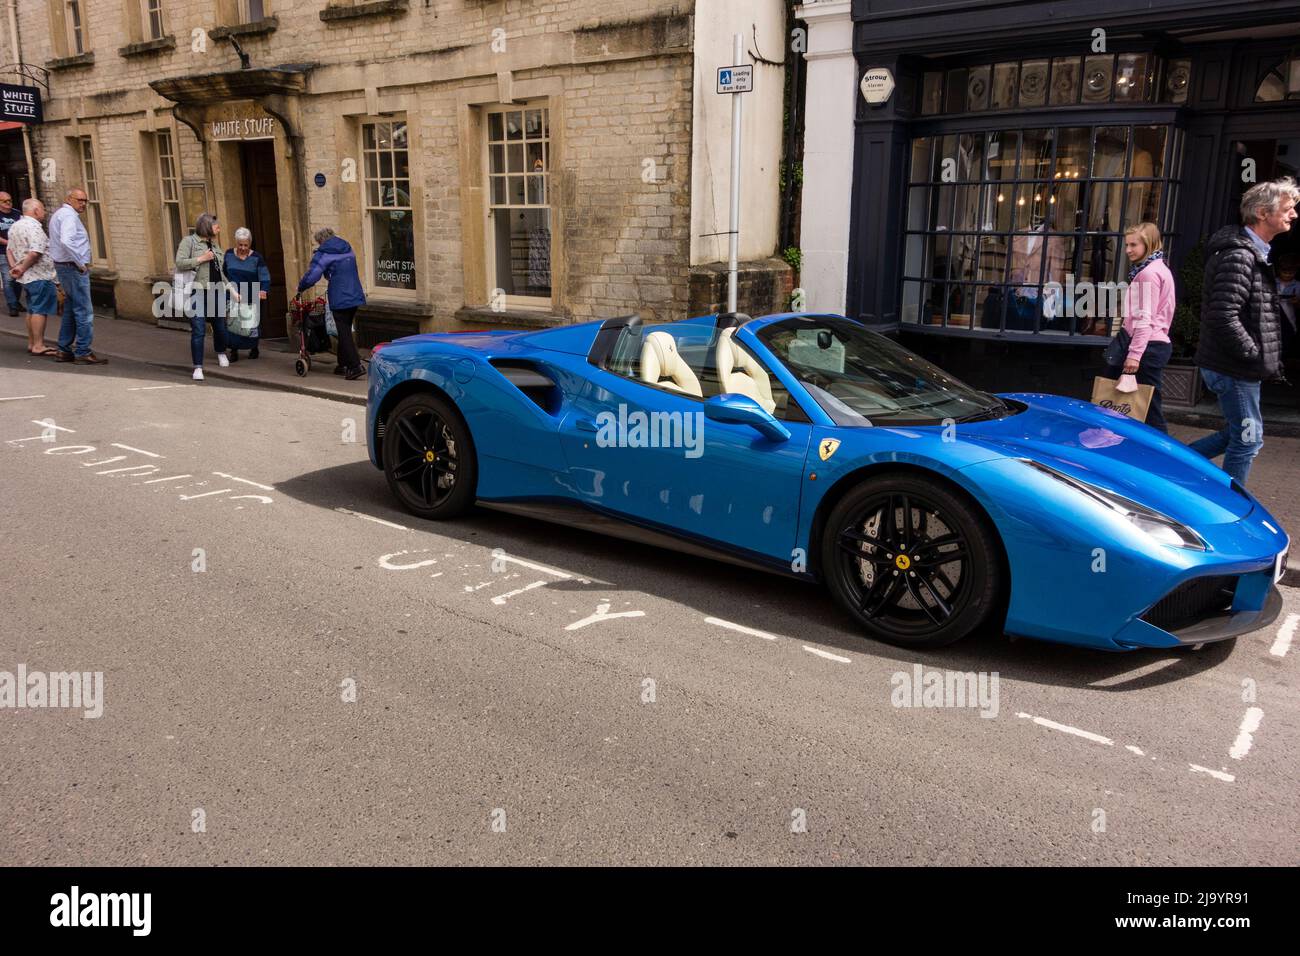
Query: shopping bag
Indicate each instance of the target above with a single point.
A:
(1135, 405)
(243, 319)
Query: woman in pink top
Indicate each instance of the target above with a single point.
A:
(1143, 342)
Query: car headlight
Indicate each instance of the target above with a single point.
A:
(1162, 528)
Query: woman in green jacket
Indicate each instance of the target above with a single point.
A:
(200, 253)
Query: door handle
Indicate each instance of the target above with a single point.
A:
(585, 425)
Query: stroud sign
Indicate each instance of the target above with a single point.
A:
(20, 104)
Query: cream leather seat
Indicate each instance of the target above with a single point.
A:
(740, 373)
(662, 365)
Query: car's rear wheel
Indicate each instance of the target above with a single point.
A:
(429, 458)
(912, 560)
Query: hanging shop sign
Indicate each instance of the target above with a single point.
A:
(242, 127)
(20, 104)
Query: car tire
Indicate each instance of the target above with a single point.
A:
(925, 584)
(429, 457)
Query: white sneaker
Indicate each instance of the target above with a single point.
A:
(222, 360)
(198, 375)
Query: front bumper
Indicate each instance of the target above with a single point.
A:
(1082, 576)
(1213, 626)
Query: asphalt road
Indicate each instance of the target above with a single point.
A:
(706, 715)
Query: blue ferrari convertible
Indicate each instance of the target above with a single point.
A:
(807, 445)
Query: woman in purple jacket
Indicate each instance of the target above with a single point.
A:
(1142, 347)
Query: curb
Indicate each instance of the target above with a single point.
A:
(218, 373)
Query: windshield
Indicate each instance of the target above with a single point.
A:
(862, 378)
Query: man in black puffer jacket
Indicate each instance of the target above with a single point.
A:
(1241, 322)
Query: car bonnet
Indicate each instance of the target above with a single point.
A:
(1114, 452)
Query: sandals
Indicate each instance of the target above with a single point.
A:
(44, 352)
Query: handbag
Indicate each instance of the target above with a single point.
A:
(243, 318)
(1134, 405)
(1117, 349)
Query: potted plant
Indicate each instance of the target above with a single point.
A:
(1182, 386)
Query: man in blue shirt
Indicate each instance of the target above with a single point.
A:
(70, 250)
(8, 216)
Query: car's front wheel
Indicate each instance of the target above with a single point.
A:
(429, 458)
(913, 561)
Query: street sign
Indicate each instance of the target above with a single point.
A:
(736, 79)
(20, 104)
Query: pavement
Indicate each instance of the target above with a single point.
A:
(170, 348)
(297, 672)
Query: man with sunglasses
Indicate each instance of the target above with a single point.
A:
(70, 250)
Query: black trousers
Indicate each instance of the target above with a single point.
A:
(348, 356)
(1150, 372)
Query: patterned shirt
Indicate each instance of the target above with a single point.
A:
(27, 235)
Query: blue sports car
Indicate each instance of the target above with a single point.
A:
(807, 445)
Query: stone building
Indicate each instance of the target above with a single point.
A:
(520, 162)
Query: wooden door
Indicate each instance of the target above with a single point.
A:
(262, 207)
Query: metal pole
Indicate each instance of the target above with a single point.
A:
(18, 58)
(734, 238)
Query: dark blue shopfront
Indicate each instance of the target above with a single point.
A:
(992, 189)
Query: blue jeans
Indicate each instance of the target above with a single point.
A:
(206, 305)
(1242, 435)
(78, 312)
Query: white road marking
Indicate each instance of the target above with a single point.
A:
(740, 627)
(151, 388)
(1285, 635)
(602, 614)
(1136, 750)
(470, 588)
(358, 514)
(222, 474)
(57, 428)
(19, 398)
(262, 498)
(1066, 729)
(154, 481)
(502, 598)
(205, 494)
(139, 451)
(499, 555)
(386, 561)
(1216, 774)
(113, 471)
(1246, 733)
(826, 654)
(105, 461)
(71, 450)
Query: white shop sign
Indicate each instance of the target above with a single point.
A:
(877, 85)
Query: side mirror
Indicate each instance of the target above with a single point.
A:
(736, 409)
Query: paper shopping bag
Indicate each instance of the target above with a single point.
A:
(1133, 404)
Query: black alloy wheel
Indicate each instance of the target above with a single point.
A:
(914, 562)
(429, 457)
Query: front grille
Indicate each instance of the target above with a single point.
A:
(1192, 601)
